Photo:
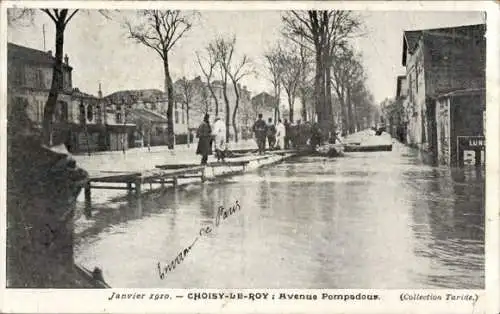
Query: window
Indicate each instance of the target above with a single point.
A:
(90, 113)
(118, 114)
(176, 116)
(39, 81)
(98, 113)
(81, 117)
(19, 78)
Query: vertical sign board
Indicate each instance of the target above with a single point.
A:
(475, 143)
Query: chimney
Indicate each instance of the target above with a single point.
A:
(100, 91)
(66, 59)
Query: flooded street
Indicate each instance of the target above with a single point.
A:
(366, 220)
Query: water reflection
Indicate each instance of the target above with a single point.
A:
(368, 220)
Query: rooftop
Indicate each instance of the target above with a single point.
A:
(412, 38)
(142, 94)
(463, 92)
(148, 115)
(31, 55)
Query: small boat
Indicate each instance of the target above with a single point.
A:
(331, 150)
(94, 278)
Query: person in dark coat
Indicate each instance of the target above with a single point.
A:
(315, 139)
(271, 133)
(204, 134)
(260, 130)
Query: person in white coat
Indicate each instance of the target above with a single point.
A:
(219, 132)
(280, 135)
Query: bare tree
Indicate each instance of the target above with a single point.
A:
(160, 30)
(305, 83)
(275, 69)
(230, 69)
(61, 18)
(322, 32)
(348, 74)
(17, 16)
(208, 72)
(291, 77)
(186, 96)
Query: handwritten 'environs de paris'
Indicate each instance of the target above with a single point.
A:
(222, 214)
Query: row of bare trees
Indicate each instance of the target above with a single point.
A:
(317, 64)
(222, 69)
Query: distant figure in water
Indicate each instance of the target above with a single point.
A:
(204, 134)
(220, 138)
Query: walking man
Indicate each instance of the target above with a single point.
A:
(204, 134)
(220, 138)
(260, 129)
(280, 135)
(271, 133)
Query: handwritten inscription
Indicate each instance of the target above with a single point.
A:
(222, 214)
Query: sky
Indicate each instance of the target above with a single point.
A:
(100, 51)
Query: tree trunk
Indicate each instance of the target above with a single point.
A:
(290, 106)
(226, 100)
(304, 105)
(187, 124)
(318, 84)
(170, 99)
(328, 121)
(343, 110)
(56, 85)
(349, 109)
(215, 99)
(235, 111)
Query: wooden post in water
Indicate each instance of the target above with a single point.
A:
(203, 175)
(137, 188)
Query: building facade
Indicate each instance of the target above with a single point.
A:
(29, 79)
(147, 108)
(438, 62)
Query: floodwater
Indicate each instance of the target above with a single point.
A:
(366, 220)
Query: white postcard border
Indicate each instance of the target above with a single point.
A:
(96, 301)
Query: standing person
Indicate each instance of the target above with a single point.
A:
(298, 134)
(315, 139)
(204, 134)
(280, 135)
(220, 138)
(271, 133)
(287, 134)
(260, 129)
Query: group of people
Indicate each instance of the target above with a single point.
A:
(209, 136)
(286, 135)
(275, 134)
(278, 136)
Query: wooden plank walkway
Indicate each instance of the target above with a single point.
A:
(132, 181)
